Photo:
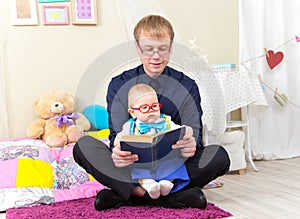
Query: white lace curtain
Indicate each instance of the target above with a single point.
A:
(3, 108)
(273, 24)
(132, 11)
(3, 112)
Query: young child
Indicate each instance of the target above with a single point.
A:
(170, 175)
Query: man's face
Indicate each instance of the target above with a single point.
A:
(154, 53)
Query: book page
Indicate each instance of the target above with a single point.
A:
(137, 138)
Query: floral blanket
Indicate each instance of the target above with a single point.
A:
(31, 173)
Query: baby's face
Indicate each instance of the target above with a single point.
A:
(144, 103)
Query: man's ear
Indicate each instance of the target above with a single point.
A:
(171, 47)
(138, 49)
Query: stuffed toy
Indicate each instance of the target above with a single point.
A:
(57, 123)
(97, 115)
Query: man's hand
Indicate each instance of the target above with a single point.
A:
(122, 158)
(187, 146)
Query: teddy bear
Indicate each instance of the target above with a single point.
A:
(57, 123)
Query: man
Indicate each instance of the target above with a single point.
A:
(180, 99)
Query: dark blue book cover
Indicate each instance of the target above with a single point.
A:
(152, 148)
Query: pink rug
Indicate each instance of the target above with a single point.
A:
(84, 208)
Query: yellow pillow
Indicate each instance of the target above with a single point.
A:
(103, 133)
(34, 173)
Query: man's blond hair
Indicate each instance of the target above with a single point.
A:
(153, 26)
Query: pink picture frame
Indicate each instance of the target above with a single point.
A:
(55, 15)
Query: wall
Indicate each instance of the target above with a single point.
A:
(42, 58)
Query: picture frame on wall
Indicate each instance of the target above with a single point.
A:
(24, 12)
(47, 1)
(55, 14)
(84, 12)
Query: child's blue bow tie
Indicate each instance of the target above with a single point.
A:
(145, 127)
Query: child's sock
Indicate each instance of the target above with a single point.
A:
(151, 186)
(165, 187)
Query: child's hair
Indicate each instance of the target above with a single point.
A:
(137, 91)
(154, 26)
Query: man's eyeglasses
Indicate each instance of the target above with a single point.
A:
(149, 51)
(145, 108)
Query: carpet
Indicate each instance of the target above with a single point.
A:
(84, 209)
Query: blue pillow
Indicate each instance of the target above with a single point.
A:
(97, 115)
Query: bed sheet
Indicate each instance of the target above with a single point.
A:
(31, 173)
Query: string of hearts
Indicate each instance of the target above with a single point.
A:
(274, 59)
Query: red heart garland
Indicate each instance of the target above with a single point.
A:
(273, 59)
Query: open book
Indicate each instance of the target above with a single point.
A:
(151, 148)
